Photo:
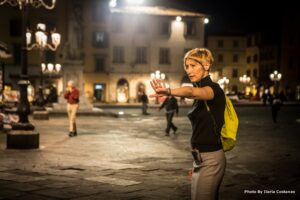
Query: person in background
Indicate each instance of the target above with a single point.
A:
(145, 101)
(72, 97)
(275, 106)
(171, 105)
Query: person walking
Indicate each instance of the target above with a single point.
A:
(210, 162)
(171, 105)
(72, 97)
(145, 101)
(275, 107)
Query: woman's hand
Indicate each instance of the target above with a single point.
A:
(159, 87)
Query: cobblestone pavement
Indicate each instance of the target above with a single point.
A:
(130, 158)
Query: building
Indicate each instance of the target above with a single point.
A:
(290, 51)
(133, 43)
(109, 52)
(229, 59)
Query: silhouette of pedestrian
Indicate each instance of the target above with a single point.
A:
(145, 101)
(265, 97)
(171, 105)
(275, 107)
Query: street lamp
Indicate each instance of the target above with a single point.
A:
(245, 80)
(275, 77)
(223, 82)
(159, 76)
(41, 44)
(24, 137)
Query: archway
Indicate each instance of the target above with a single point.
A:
(122, 91)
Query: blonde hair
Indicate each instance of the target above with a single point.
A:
(199, 55)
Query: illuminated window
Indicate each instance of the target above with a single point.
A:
(100, 39)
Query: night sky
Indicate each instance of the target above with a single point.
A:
(237, 16)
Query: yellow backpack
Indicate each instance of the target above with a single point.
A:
(230, 127)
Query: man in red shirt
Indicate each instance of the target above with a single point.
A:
(72, 97)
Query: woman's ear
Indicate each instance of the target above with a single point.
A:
(206, 66)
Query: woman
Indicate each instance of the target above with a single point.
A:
(206, 125)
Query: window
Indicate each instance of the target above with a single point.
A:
(248, 72)
(99, 63)
(234, 73)
(220, 43)
(235, 44)
(248, 59)
(141, 55)
(17, 53)
(118, 54)
(255, 73)
(220, 58)
(255, 58)
(165, 28)
(190, 29)
(15, 27)
(100, 40)
(164, 56)
(235, 58)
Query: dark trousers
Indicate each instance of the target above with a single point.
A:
(144, 108)
(170, 124)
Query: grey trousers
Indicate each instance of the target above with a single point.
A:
(207, 179)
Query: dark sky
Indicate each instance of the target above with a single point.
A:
(230, 16)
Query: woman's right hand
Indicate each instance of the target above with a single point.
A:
(159, 87)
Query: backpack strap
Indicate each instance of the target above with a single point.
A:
(215, 124)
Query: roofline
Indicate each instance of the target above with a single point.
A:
(155, 10)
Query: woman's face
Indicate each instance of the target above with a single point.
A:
(194, 70)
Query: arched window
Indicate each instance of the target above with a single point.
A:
(123, 91)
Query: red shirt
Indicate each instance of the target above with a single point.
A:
(72, 97)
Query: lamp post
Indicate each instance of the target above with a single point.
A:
(41, 44)
(159, 76)
(23, 136)
(223, 82)
(245, 80)
(275, 77)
